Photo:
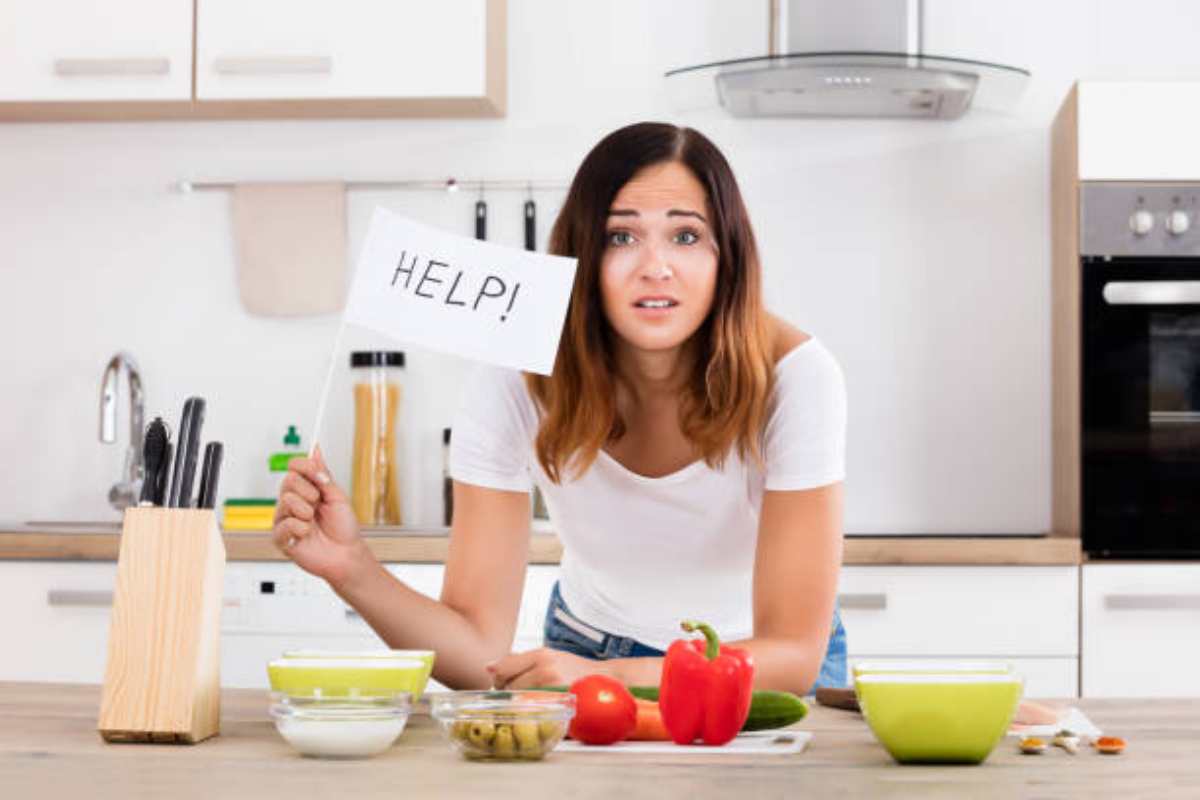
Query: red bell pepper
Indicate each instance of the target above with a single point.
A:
(706, 688)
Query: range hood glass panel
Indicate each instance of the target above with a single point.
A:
(996, 86)
(807, 90)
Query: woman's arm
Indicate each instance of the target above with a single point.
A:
(473, 622)
(796, 568)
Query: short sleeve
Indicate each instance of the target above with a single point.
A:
(491, 439)
(805, 444)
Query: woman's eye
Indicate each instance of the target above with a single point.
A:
(619, 238)
(687, 237)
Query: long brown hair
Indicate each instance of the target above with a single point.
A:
(724, 404)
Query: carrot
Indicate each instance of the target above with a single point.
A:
(649, 723)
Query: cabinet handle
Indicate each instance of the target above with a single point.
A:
(1152, 602)
(79, 598)
(863, 602)
(101, 67)
(274, 65)
(352, 614)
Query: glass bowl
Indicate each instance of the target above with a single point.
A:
(340, 727)
(503, 725)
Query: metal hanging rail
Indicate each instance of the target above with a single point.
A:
(442, 185)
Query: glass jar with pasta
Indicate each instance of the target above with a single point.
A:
(374, 483)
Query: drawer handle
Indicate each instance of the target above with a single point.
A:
(274, 65)
(79, 599)
(1152, 602)
(863, 602)
(102, 67)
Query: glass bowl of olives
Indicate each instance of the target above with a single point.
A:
(501, 725)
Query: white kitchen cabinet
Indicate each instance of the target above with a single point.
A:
(1024, 615)
(1141, 630)
(280, 49)
(76, 50)
(55, 620)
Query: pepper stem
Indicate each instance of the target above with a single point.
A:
(714, 643)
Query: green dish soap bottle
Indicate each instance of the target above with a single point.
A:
(278, 461)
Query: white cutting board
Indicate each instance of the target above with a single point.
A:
(756, 743)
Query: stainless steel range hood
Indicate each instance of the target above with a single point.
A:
(855, 58)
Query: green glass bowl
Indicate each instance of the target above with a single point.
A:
(939, 718)
(346, 677)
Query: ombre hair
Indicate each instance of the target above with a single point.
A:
(724, 402)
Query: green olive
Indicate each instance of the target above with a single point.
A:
(481, 733)
(526, 734)
(460, 730)
(503, 745)
(549, 730)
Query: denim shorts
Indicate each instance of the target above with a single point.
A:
(564, 631)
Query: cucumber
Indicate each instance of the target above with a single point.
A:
(768, 709)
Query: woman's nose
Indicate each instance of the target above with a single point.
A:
(655, 266)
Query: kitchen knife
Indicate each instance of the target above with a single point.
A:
(164, 474)
(155, 459)
(210, 473)
(186, 450)
(530, 225)
(481, 220)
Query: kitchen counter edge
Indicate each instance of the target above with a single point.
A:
(31, 544)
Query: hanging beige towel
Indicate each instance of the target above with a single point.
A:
(291, 247)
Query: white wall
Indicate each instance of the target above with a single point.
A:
(917, 250)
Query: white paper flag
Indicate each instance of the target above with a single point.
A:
(454, 294)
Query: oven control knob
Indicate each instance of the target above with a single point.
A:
(1178, 222)
(1141, 222)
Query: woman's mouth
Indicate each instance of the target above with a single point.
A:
(656, 303)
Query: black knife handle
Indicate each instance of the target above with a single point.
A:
(530, 225)
(164, 476)
(210, 473)
(186, 452)
(480, 220)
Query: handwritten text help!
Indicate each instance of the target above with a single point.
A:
(459, 295)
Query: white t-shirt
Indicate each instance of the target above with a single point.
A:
(641, 554)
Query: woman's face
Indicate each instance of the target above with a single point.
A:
(659, 268)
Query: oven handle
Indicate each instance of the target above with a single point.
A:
(1152, 293)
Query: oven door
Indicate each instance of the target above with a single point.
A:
(1141, 407)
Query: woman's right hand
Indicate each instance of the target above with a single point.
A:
(315, 525)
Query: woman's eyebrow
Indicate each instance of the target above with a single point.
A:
(674, 212)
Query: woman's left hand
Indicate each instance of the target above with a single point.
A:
(542, 667)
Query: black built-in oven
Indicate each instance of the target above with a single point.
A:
(1140, 246)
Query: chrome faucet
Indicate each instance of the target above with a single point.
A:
(125, 492)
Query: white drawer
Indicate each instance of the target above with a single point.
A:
(56, 628)
(1002, 612)
(1044, 677)
(1141, 630)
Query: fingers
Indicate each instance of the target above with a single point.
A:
(316, 473)
(297, 483)
(292, 505)
(515, 668)
(288, 532)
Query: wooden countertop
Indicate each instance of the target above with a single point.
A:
(49, 748)
(97, 543)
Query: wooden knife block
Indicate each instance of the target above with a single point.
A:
(162, 682)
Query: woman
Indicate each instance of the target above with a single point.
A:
(690, 447)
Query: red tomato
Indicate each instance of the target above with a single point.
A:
(605, 711)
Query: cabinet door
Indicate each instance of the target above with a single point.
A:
(78, 50)
(1141, 630)
(985, 611)
(56, 625)
(279, 49)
